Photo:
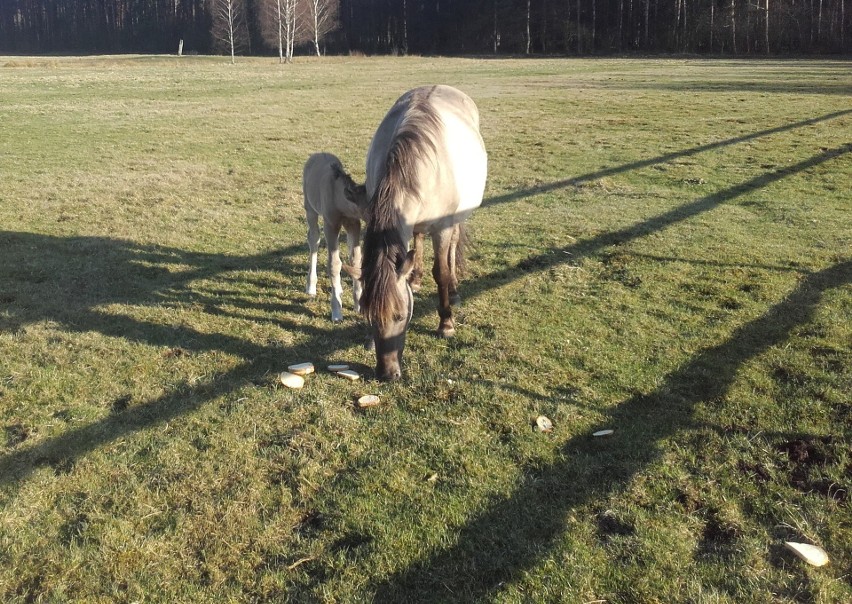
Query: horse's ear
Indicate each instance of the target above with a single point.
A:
(404, 269)
(352, 271)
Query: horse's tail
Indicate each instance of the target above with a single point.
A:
(461, 246)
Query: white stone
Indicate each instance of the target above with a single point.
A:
(291, 380)
(811, 554)
(301, 368)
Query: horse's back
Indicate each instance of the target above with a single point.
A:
(318, 181)
(453, 181)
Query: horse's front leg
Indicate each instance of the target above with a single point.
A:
(442, 241)
(332, 232)
(313, 245)
(353, 242)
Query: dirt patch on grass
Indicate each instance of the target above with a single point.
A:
(808, 460)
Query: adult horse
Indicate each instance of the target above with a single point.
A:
(426, 170)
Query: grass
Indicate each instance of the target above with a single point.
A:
(664, 250)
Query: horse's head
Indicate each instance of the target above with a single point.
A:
(388, 304)
(352, 191)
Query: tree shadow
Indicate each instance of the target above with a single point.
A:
(483, 559)
(70, 281)
(654, 224)
(67, 279)
(513, 534)
(661, 159)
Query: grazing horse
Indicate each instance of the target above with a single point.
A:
(331, 193)
(426, 171)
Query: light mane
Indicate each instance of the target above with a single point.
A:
(414, 144)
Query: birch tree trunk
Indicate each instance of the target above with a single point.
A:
(819, 22)
(579, 30)
(280, 32)
(767, 25)
(528, 26)
(733, 27)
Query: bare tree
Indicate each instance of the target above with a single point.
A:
(229, 28)
(733, 27)
(322, 15)
(280, 27)
(767, 26)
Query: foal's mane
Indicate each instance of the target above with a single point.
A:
(413, 144)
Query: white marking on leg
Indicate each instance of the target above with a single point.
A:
(353, 240)
(313, 246)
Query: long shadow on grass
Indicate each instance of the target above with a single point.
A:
(653, 224)
(66, 280)
(661, 159)
(513, 534)
(74, 281)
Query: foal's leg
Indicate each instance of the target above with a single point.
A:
(313, 245)
(441, 241)
(332, 232)
(353, 242)
(416, 278)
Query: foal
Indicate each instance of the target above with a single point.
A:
(331, 193)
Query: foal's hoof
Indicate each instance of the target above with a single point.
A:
(455, 299)
(446, 332)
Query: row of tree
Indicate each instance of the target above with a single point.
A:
(426, 26)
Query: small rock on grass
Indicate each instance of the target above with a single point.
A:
(543, 424)
(811, 554)
(349, 374)
(301, 368)
(368, 400)
(291, 380)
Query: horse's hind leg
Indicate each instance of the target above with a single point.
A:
(313, 245)
(353, 242)
(442, 241)
(454, 260)
(332, 232)
(415, 280)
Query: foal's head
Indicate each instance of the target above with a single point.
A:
(352, 191)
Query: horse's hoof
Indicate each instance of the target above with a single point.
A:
(446, 332)
(369, 344)
(455, 299)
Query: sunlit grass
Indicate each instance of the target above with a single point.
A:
(663, 251)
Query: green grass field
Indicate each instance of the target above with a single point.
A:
(665, 250)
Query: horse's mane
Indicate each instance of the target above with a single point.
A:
(384, 248)
(339, 172)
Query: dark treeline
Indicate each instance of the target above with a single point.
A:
(742, 27)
